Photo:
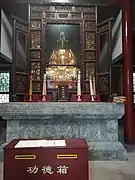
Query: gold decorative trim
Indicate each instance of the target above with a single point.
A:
(24, 157)
(67, 156)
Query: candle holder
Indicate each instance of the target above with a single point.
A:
(44, 99)
(94, 98)
(30, 98)
(79, 98)
(76, 98)
(30, 89)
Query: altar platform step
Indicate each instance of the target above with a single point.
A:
(95, 122)
(107, 151)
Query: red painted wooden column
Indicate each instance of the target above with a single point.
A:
(129, 121)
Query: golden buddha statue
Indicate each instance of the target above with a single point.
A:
(63, 59)
(62, 56)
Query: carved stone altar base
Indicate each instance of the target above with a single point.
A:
(96, 122)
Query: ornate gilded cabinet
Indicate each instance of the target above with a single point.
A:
(50, 25)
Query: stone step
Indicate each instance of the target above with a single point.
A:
(107, 151)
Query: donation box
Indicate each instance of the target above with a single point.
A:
(64, 159)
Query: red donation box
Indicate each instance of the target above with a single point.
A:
(46, 159)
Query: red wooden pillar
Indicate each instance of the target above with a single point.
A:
(129, 121)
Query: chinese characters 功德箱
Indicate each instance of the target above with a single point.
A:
(32, 170)
(47, 170)
(62, 169)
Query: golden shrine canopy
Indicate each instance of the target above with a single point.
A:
(62, 63)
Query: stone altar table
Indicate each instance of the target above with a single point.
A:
(96, 122)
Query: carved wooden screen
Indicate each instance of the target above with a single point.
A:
(35, 51)
(89, 48)
(104, 53)
(85, 16)
(20, 59)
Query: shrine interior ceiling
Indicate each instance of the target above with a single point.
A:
(19, 7)
(104, 11)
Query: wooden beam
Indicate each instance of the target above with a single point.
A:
(95, 2)
(19, 20)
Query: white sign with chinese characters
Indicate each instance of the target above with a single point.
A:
(62, 169)
(40, 143)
